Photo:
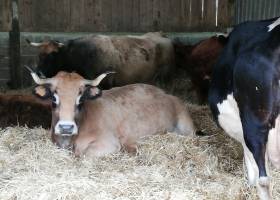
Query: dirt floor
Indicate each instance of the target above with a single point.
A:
(166, 167)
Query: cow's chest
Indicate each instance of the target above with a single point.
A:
(229, 118)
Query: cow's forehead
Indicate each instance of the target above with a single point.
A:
(68, 83)
(65, 76)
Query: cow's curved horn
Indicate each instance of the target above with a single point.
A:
(37, 79)
(59, 44)
(34, 44)
(96, 81)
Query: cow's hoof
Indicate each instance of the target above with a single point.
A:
(264, 189)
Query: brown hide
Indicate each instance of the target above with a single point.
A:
(117, 118)
(24, 110)
(198, 60)
(135, 59)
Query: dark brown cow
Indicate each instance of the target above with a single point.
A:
(24, 110)
(198, 61)
(94, 123)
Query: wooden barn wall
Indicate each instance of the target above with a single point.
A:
(120, 15)
(255, 9)
(5, 15)
(4, 58)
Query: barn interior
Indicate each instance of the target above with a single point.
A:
(166, 166)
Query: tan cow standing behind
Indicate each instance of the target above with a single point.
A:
(96, 123)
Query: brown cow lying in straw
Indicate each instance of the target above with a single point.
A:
(24, 110)
(96, 124)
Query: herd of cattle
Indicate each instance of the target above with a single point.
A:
(239, 74)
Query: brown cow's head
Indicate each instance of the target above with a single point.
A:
(68, 92)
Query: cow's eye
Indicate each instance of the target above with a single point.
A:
(55, 99)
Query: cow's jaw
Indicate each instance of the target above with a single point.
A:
(64, 142)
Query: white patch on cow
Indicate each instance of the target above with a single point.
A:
(229, 118)
(57, 129)
(251, 165)
(78, 99)
(56, 98)
(257, 88)
(273, 25)
(273, 147)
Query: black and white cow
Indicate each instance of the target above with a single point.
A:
(244, 96)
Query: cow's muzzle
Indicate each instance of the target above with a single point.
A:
(66, 128)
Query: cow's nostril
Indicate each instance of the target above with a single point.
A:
(66, 128)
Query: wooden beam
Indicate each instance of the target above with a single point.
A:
(14, 48)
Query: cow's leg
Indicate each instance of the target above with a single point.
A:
(131, 147)
(103, 146)
(185, 124)
(255, 135)
(251, 166)
(273, 147)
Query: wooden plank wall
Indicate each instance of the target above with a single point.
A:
(4, 58)
(120, 15)
(5, 15)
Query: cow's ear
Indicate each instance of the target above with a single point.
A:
(90, 93)
(42, 91)
(93, 92)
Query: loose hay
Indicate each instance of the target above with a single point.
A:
(166, 167)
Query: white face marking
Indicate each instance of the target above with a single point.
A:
(78, 100)
(229, 118)
(57, 129)
(273, 25)
(56, 98)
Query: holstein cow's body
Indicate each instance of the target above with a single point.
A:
(136, 59)
(24, 110)
(198, 60)
(245, 96)
(116, 118)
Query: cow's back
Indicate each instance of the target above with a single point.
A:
(136, 59)
(136, 110)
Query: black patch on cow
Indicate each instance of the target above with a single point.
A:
(88, 95)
